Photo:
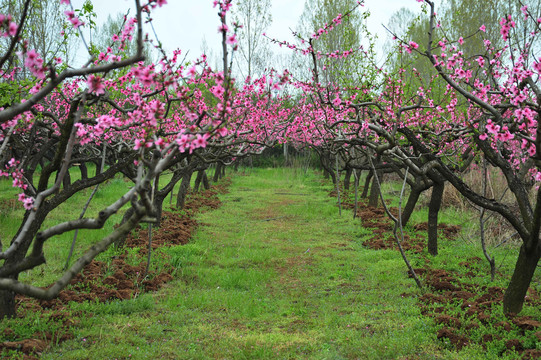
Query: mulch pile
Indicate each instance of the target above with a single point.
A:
(116, 280)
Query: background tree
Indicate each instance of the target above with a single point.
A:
(462, 21)
(254, 54)
(320, 15)
(103, 38)
(47, 33)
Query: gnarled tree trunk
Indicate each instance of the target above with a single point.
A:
(374, 189)
(347, 178)
(433, 210)
(366, 186)
(217, 172)
(183, 190)
(513, 298)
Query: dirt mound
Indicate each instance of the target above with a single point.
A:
(175, 229)
(457, 340)
(449, 231)
(28, 347)
(382, 227)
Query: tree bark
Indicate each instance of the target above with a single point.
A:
(98, 167)
(347, 178)
(413, 198)
(205, 180)
(84, 171)
(198, 180)
(433, 210)
(7, 298)
(184, 188)
(374, 190)
(527, 261)
(217, 172)
(327, 168)
(66, 181)
(367, 184)
(7, 304)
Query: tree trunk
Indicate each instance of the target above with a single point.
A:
(7, 304)
(217, 172)
(413, 198)
(66, 181)
(326, 175)
(433, 210)
(98, 167)
(158, 205)
(120, 241)
(198, 179)
(205, 180)
(374, 190)
(347, 178)
(327, 168)
(184, 187)
(84, 171)
(356, 178)
(527, 261)
(367, 184)
(7, 298)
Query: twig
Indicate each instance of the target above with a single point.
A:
(397, 222)
(338, 186)
(482, 220)
(275, 218)
(102, 166)
(150, 231)
(356, 192)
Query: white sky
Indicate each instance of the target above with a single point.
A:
(185, 23)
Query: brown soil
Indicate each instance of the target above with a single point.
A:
(451, 334)
(476, 303)
(29, 347)
(382, 227)
(449, 231)
(116, 279)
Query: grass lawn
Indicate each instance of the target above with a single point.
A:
(275, 273)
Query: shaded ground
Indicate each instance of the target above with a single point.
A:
(121, 278)
(445, 288)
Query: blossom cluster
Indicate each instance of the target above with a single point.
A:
(74, 20)
(506, 24)
(12, 169)
(34, 63)
(7, 26)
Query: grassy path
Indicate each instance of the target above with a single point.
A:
(275, 273)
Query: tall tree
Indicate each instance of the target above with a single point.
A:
(103, 38)
(254, 53)
(465, 24)
(346, 35)
(45, 34)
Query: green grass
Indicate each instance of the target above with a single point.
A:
(276, 273)
(57, 248)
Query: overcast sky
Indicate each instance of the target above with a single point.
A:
(185, 23)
